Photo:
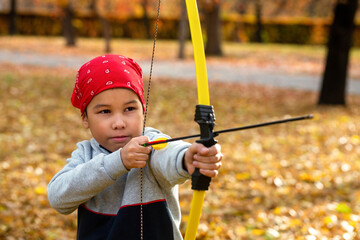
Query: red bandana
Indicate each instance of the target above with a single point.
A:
(105, 72)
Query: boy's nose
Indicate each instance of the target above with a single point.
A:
(118, 123)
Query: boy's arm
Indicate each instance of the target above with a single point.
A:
(177, 161)
(80, 180)
(167, 163)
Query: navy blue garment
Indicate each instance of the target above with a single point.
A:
(157, 223)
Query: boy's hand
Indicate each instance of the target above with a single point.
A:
(134, 154)
(208, 160)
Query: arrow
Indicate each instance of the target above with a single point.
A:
(216, 133)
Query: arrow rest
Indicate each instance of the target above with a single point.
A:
(205, 117)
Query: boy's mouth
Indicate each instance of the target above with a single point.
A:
(120, 139)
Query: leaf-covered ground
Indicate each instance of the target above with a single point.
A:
(292, 181)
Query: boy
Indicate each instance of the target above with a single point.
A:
(121, 188)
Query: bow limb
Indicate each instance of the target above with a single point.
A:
(199, 53)
(203, 101)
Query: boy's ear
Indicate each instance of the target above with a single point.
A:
(85, 121)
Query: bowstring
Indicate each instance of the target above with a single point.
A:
(145, 115)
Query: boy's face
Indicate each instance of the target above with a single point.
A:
(114, 117)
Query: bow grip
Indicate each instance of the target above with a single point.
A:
(205, 117)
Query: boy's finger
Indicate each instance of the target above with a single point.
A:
(142, 156)
(140, 164)
(194, 148)
(142, 140)
(207, 165)
(213, 150)
(208, 159)
(146, 150)
(209, 173)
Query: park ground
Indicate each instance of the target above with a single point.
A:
(292, 181)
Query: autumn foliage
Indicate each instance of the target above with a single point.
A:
(291, 181)
(300, 21)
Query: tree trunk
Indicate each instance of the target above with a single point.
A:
(213, 30)
(183, 30)
(106, 33)
(311, 8)
(259, 26)
(68, 28)
(106, 27)
(146, 19)
(280, 6)
(333, 90)
(239, 30)
(12, 18)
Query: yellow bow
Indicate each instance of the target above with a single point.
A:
(203, 99)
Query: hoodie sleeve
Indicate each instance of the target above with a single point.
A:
(83, 177)
(167, 163)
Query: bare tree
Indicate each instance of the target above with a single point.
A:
(239, 31)
(311, 8)
(12, 18)
(280, 6)
(259, 25)
(333, 90)
(107, 33)
(106, 27)
(183, 30)
(144, 4)
(213, 27)
(69, 30)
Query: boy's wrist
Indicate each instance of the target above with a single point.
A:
(184, 164)
(122, 161)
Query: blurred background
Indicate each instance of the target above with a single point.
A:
(266, 60)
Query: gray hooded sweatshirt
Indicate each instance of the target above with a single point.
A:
(107, 195)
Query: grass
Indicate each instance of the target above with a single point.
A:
(291, 181)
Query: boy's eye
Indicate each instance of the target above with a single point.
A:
(104, 111)
(130, 109)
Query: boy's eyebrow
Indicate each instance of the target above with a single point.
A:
(130, 102)
(100, 105)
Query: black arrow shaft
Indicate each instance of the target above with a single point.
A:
(216, 133)
(265, 124)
